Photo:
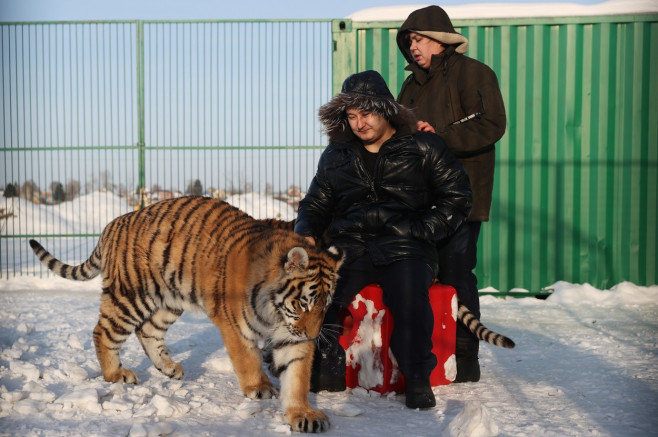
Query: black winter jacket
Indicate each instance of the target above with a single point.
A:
(418, 194)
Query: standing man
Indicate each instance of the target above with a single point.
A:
(385, 194)
(458, 98)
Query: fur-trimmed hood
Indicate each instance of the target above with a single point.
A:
(366, 91)
(434, 23)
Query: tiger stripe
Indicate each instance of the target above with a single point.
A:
(482, 332)
(255, 279)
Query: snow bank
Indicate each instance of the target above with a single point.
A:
(92, 212)
(473, 421)
(85, 214)
(89, 214)
(262, 207)
(625, 293)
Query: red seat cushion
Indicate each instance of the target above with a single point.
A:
(367, 326)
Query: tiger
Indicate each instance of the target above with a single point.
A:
(257, 283)
(464, 315)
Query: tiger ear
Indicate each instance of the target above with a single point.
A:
(297, 259)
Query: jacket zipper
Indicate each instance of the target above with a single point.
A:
(369, 178)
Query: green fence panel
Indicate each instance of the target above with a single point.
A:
(236, 102)
(575, 195)
(69, 127)
(100, 118)
(228, 107)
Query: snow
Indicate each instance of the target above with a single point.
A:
(472, 11)
(98, 209)
(32, 219)
(262, 207)
(367, 340)
(585, 364)
(473, 421)
(64, 218)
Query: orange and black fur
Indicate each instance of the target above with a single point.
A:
(255, 281)
(464, 315)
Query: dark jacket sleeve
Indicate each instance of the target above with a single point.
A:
(463, 103)
(451, 192)
(479, 95)
(314, 212)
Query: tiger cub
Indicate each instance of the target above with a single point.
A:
(253, 281)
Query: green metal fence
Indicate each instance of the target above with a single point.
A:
(93, 112)
(98, 118)
(575, 196)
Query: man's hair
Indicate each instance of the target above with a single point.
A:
(366, 92)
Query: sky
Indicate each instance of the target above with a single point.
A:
(37, 10)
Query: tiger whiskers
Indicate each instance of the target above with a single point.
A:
(328, 334)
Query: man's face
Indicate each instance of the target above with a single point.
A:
(422, 48)
(369, 127)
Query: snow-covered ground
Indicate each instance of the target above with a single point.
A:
(585, 364)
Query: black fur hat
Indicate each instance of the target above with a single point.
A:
(366, 91)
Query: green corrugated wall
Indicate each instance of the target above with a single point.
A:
(576, 188)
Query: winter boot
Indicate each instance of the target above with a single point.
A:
(419, 394)
(468, 366)
(328, 371)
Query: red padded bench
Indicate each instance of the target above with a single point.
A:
(367, 326)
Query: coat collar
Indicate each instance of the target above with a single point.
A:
(440, 64)
(347, 140)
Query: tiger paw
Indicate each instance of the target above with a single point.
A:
(262, 391)
(312, 421)
(123, 375)
(175, 371)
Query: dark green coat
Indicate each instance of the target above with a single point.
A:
(454, 88)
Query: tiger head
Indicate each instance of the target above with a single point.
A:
(310, 277)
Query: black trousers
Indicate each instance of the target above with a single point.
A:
(405, 287)
(457, 260)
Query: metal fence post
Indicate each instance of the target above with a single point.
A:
(141, 144)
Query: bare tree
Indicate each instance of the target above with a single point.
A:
(11, 190)
(194, 188)
(72, 189)
(30, 191)
(91, 185)
(106, 180)
(58, 194)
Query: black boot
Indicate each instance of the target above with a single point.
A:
(328, 371)
(468, 366)
(419, 394)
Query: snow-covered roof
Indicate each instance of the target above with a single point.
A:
(513, 10)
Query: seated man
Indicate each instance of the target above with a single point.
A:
(385, 194)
